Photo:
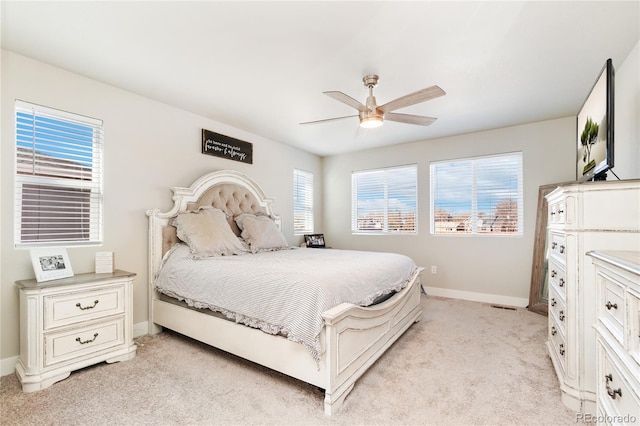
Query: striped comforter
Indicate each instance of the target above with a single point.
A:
(283, 291)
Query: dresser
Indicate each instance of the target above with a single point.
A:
(618, 336)
(583, 217)
(72, 323)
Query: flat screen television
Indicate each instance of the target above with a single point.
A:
(595, 129)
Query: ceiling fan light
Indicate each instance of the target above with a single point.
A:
(371, 122)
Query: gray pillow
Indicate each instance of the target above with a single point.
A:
(207, 233)
(261, 233)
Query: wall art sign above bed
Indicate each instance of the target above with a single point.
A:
(226, 147)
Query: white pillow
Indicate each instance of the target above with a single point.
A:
(261, 233)
(207, 233)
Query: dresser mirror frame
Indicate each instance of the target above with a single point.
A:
(539, 291)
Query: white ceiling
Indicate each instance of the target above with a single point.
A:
(262, 66)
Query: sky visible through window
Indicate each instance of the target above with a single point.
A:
(55, 138)
(454, 190)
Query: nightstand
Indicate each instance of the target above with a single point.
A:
(72, 323)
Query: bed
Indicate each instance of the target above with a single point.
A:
(346, 339)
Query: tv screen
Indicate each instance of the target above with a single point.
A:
(595, 129)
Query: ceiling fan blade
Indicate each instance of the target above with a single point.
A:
(346, 99)
(420, 120)
(413, 98)
(326, 120)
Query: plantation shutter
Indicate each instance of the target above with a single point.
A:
(59, 169)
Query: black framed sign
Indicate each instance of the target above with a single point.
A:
(226, 147)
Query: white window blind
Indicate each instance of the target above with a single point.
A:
(302, 202)
(384, 201)
(58, 196)
(481, 195)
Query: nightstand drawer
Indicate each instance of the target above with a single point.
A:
(75, 343)
(74, 307)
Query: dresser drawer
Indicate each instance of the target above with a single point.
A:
(557, 212)
(557, 278)
(558, 309)
(611, 306)
(558, 247)
(633, 299)
(81, 341)
(615, 394)
(74, 307)
(558, 343)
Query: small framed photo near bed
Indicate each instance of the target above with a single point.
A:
(51, 263)
(314, 240)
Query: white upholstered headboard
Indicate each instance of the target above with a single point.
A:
(230, 191)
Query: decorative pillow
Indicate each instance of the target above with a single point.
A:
(207, 233)
(261, 233)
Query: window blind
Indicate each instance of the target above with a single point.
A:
(302, 202)
(384, 201)
(481, 195)
(59, 171)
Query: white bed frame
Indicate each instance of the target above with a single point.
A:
(353, 337)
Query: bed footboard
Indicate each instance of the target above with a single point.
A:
(357, 336)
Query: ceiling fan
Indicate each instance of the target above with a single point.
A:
(371, 115)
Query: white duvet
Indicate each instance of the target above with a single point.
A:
(283, 291)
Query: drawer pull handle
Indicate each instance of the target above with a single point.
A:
(561, 316)
(553, 301)
(561, 249)
(553, 213)
(610, 305)
(84, 342)
(560, 211)
(561, 348)
(612, 392)
(553, 273)
(561, 283)
(553, 330)
(553, 245)
(84, 308)
(608, 378)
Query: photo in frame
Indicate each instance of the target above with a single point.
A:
(314, 240)
(51, 263)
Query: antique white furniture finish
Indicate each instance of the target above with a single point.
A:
(618, 335)
(71, 323)
(353, 338)
(583, 217)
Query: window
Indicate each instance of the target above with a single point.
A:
(58, 196)
(480, 195)
(384, 201)
(302, 202)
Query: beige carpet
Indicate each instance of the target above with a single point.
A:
(464, 363)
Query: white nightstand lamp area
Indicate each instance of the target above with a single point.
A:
(71, 323)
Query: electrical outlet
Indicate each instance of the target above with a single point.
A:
(434, 269)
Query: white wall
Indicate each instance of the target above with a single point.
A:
(490, 269)
(495, 265)
(149, 148)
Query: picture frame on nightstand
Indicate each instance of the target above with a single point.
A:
(51, 263)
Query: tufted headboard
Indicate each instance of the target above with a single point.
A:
(228, 190)
(233, 199)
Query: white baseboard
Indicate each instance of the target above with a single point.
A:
(8, 365)
(477, 297)
(140, 329)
